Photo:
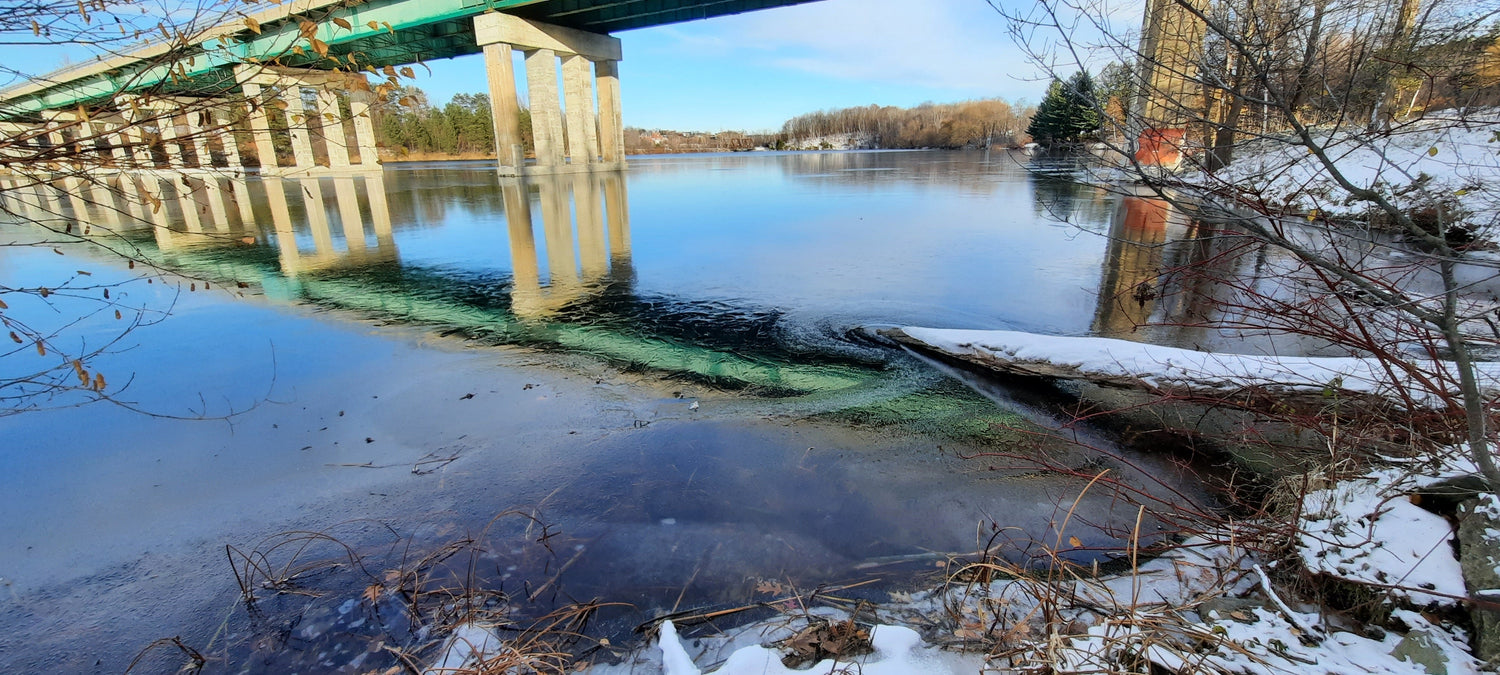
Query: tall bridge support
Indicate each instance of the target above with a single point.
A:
(317, 127)
(570, 134)
(1168, 98)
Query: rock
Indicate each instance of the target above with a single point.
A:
(1421, 649)
(1225, 607)
(1479, 556)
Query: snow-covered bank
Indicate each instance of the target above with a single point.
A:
(1156, 368)
(1448, 157)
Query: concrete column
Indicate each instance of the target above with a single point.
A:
(302, 149)
(333, 129)
(187, 197)
(578, 86)
(166, 124)
(197, 138)
(546, 113)
(364, 128)
(260, 128)
(224, 118)
(611, 125)
(505, 109)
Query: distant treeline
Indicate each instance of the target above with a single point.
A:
(408, 125)
(930, 125)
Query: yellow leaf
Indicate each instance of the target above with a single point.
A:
(279, 104)
(342, 24)
(373, 25)
(15, 338)
(408, 73)
(307, 28)
(117, 315)
(319, 46)
(298, 50)
(36, 28)
(1432, 152)
(1075, 542)
(98, 381)
(253, 25)
(387, 26)
(3, 305)
(388, 71)
(41, 349)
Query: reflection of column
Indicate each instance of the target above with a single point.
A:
(241, 192)
(611, 126)
(583, 139)
(380, 211)
(297, 124)
(557, 228)
(505, 110)
(1132, 266)
(525, 298)
(619, 216)
(593, 254)
(349, 219)
(317, 215)
(260, 128)
(187, 199)
(546, 113)
(332, 121)
(213, 193)
(364, 128)
(73, 189)
(281, 222)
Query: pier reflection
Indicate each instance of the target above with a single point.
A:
(600, 218)
(1157, 282)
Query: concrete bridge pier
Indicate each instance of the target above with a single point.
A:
(569, 133)
(319, 125)
(601, 257)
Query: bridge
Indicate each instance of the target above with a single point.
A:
(292, 61)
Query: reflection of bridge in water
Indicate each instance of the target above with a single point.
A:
(583, 220)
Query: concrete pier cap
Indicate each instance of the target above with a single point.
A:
(571, 137)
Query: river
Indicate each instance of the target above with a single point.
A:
(665, 380)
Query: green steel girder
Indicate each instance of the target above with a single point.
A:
(422, 29)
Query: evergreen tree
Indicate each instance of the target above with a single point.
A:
(1067, 113)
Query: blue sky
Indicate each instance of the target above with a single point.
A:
(754, 71)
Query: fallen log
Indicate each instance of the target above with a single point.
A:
(1173, 371)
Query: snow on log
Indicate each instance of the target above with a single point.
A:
(1157, 369)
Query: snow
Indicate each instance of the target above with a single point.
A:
(898, 651)
(1364, 531)
(1415, 164)
(1171, 367)
(469, 644)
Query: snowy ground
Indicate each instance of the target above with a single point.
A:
(1447, 156)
